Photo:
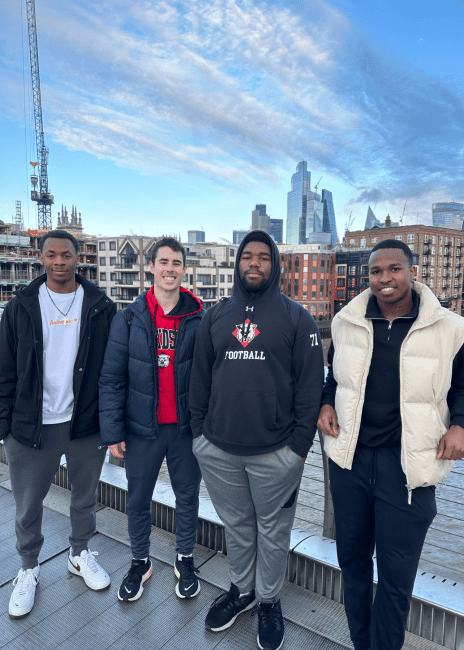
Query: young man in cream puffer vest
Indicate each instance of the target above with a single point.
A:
(393, 418)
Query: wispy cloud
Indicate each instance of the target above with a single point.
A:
(234, 89)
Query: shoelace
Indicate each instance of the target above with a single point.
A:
(223, 599)
(132, 576)
(24, 581)
(188, 568)
(91, 562)
(267, 615)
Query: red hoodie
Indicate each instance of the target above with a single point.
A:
(166, 326)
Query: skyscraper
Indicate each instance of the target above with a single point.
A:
(277, 230)
(260, 220)
(448, 215)
(310, 218)
(195, 236)
(371, 220)
(296, 202)
(238, 235)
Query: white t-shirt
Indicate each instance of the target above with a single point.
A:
(60, 345)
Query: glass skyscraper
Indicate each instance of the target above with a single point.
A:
(371, 220)
(296, 202)
(448, 215)
(277, 230)
(308, 214)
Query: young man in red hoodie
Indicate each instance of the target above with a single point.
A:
(144, 414)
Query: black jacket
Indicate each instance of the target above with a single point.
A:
(21, 368)
(129, 377)
(254, 395)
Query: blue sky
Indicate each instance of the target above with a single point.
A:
(164, 116)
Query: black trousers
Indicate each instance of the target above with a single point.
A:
(143, 459)
(371, 511)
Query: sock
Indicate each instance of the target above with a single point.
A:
(139, 559)
(180, 556)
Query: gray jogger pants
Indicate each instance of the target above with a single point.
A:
(255, 497)
(31, 475)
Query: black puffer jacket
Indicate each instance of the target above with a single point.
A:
(21, 367)
(129, 377)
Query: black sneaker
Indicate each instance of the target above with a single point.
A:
(227, 607)
(131, 587)
(188, 585)
(271, 626)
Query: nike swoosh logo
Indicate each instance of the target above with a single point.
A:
(128, 590)
(190, 586)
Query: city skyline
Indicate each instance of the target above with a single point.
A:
(181, 116)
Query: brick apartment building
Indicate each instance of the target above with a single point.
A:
(436, 253)
(306, 275)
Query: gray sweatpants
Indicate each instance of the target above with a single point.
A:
(255, 497)
(31, 475)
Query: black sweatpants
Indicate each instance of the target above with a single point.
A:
(371, 510)
(143, 459)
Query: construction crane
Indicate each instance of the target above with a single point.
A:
(349, 222)
(317, 184)
(226, 240)
(401, 219)
(43, 197)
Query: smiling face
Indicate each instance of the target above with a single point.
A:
(255, 266)
(391, 277)
(168, 269)
(59, 258)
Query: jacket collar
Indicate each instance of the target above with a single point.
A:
(430, 309)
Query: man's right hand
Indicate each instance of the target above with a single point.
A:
(328, 421)
(118, 450)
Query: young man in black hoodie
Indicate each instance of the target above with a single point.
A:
(254, 398)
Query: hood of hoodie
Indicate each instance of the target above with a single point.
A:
(272, 286)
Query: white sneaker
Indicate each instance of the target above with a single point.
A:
(86, 566)
(22, 598)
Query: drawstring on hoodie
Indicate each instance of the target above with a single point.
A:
(373, 472)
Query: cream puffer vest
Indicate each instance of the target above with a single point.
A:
(426, 360)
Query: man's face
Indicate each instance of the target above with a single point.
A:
(390, 276)
(255, 266)
(59, 258)
(168, 269)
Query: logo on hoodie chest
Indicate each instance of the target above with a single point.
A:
(246, 332)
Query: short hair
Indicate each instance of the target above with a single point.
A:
(171, 243)
(394, 243)
(58, 234)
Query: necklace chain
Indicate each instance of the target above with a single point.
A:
(72, 303)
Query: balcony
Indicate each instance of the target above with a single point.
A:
(446, 253)
(126, 281)
(426, 250)
(425, 263)
(124, 265)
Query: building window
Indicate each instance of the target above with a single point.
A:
(398, 237)
(306, 256)
(205, 279)
(426, 239)
(374, 240)
(305, 294)
(102, 261)
(229, 292)
(313, 294)
(411, 246)
(305, 280)
(112, 245)
(112, 261)
(102, 277)
(340, 282)
(431, 284)
(305, 269)
(434, 239)
(352, 242)
(101, 246)
(221, 292)
(352, 270)
(222, 278)
(340, 294)
(432, 272)
(363, 242)
(229, 278)
(112, 277)
(232, 252)
(341, 270)
(114, 291)
(441, 240)
(410, 239)
(432, 261)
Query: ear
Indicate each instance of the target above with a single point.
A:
(152, 267)
(413, 271)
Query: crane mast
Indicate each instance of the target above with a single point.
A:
(43, 197)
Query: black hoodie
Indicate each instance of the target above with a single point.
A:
(257, 378)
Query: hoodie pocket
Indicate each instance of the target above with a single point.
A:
(245, 417)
